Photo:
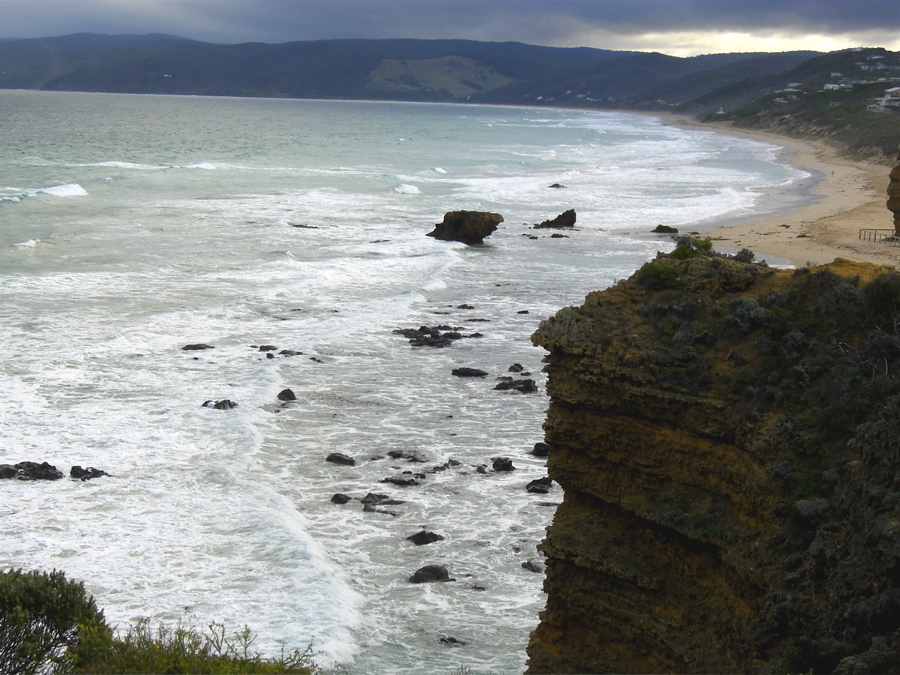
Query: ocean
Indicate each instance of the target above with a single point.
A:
(133, 226)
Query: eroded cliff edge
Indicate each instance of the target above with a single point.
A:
(728, 440)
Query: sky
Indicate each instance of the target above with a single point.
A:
(675, 27)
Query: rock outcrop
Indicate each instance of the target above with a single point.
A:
(893, 193)
(469, 227)
(564, 219)
(728, 440)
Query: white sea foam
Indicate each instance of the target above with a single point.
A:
(407, 189)
(67, 190)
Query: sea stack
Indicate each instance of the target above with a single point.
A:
(726, 437)
(893, 194)
(468, 227)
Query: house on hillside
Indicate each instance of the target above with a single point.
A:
(892, 97)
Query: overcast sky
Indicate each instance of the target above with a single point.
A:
(677, 27)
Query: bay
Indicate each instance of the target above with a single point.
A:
(131, 226)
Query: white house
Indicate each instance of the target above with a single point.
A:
(892, 97)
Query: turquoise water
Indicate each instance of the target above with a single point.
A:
(131, 226)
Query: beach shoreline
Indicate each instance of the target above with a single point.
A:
(846, 195)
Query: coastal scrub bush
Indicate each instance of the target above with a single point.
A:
(42, 616)
(181, 649)
(658, 275)
(50, 625)
(690, 247)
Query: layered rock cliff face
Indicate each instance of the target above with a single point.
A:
(728, 440)
(893, 194)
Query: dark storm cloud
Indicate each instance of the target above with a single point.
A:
(536, 21)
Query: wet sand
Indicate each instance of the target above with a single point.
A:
(847, 195)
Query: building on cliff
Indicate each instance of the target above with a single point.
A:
(728, 440)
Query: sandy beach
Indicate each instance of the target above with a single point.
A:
(847, 195)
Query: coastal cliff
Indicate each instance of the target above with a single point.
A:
(727, 437)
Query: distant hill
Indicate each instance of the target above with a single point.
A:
(424, 70)
(745, 88)
(826, 97)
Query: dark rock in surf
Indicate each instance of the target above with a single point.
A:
(565, 219)
(557, 186)
(286, 395)
(523, 386)
(424, 537)
(290, 352)
(374, 499)
(30, 471)
(340, 458)
(197, 347)
(407, 455)
(540, 486)
(429, 574)
(427, 336)
(516, 368)
(453, 642)
(86, 474)
(502, 464)
(469, 372)
(468, 227)
(664, 229)
(532, 566)
(268, 348)
(400, 481)
(541, 450)
(340, 498)
(224, 404)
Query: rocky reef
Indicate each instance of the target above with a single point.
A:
(728, 440)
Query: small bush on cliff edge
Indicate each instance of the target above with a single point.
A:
(50, 625)
(658, 275)
(42, 616)
(182, 649)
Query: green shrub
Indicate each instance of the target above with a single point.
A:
(658, 275)
(42, 615)
(689, 247)
(50, 625)
(182, 649)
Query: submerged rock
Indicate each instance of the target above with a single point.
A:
(340, 458)
(196, 347)
(468, 227)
